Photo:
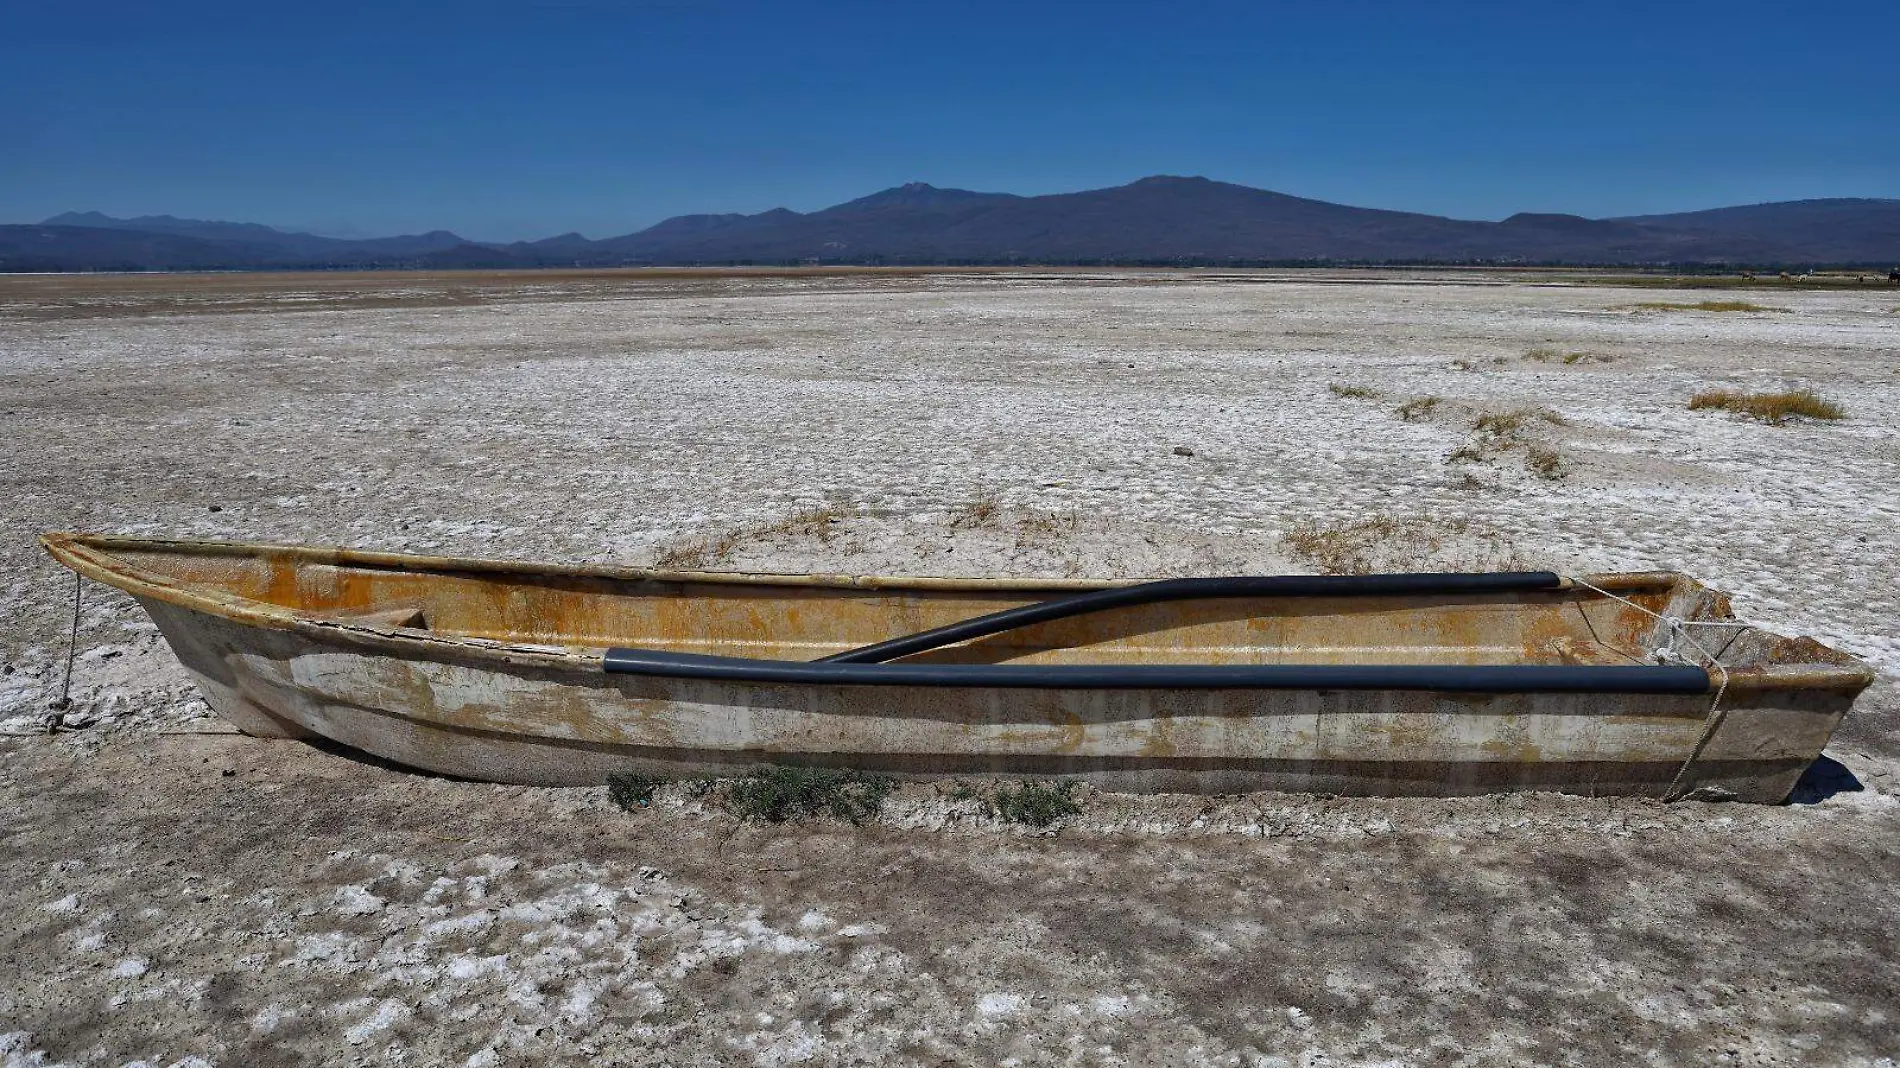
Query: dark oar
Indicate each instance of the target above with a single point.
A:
(866, 666)
(1192, 589)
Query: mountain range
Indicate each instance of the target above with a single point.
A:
(1158, 220)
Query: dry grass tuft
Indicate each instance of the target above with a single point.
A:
(981, 512)
(1384, 543)
(1032, 528)
(699, 554)
(1352, 392)
(1545, 462)
(1041, 526)
(1417, 408)
(1507, 428)
(1706, 306)
(1568, 359)
(816, 522)
(1774, 409)
(1500, 432)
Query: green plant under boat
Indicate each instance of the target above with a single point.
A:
(776, 794)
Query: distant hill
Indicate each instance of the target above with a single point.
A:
(1162, 219)
(269, 242)
(1165, 219)
(85, 248)
(1836, 230)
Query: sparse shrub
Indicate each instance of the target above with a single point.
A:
(778, 793)
(962, 791)
(1042, 526)
(1568, 358)
(1387, 543)
(978, 513)
(698, 554)
(1341, 549)
(1546, 462)
(1417, 408)
(1499, 426)
(1707, 306)
(1469, 483)
(1500, 431)
(631, 790)
(1036, 804)
(1774, 409)
(1352, 392)
(1507, 428)
(816, 522)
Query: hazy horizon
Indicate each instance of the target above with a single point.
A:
(347, 232)
(503, 124)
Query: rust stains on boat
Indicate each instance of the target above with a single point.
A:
(494, 670)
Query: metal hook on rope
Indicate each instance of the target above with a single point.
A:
(65, 699)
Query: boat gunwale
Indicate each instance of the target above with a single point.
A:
(90, 555)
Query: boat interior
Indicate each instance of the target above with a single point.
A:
(785, 617)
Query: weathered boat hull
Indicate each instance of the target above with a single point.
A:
(521, 712)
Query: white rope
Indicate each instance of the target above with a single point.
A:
(1678, 630)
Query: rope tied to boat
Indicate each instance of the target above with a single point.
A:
(1678, 633)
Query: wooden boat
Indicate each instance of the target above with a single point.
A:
(1397, 684)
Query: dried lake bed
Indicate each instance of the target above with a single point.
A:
(177, 893)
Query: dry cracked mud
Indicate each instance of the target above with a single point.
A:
(178, 895)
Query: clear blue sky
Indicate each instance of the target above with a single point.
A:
(527, 120)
